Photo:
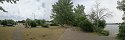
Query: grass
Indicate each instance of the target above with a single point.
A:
(6, 33)
(52, 33)
(43, 33)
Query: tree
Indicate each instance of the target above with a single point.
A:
(79, 14)
(9, 1)
(63, 12)
(81, 19)
(8, 22)
(121, 34)
(121, 6)
(98, 15)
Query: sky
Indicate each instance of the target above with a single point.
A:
(41, 9)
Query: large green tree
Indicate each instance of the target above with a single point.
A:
(81, 19)
(79, 14)
(63, 12)
(9, 1)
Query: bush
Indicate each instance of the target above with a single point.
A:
(33, 24)
(53, 24)
(105, 33)
(121, 34)
(40, 22)
(100, 23)
(4, 22)
(28, 21)
(45, 26)
(86, 26)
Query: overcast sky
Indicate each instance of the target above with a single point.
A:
(42, 9)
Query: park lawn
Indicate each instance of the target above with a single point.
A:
(6, 33)
(52, 33)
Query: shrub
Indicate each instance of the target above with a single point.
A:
(53, 24)
(86, 26)
(105, 33)
(40, 22)
(45, 26)
(28, 21)
(33, 24)
(100, 23)
(121, 34)
(4, 22)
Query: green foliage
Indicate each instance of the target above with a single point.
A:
(33, 24)
(53, 23)
(45, 26)
(121, 34)
(79, 11)
(40, 22)
(4, 22)
(105, 33)
(8, 22)
(28, 21)
(121, 5)
(0, 21)
(81, 20)
(86, 25)
(36, 22)
(100, 24)
(79, 14)
(63, 12)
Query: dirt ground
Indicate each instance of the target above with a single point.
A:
(53, 33)
(69, 34)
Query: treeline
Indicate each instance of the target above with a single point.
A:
(37, 22)
(7, 22)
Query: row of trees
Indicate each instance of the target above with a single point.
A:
(64, 13)
(7, 22)
(36, 22)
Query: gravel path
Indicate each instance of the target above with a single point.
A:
(17, 34)
(78, 35)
